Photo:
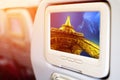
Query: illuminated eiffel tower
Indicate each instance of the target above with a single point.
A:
(66, 39)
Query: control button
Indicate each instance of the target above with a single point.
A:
(63, 58)
(78, 61)
(70, 59)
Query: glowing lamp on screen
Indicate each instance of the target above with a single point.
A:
(76, 33)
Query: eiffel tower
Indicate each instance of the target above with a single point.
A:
(66, 39)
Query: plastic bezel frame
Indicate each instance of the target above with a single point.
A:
(38, 42)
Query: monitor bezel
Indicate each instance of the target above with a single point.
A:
(100, 65)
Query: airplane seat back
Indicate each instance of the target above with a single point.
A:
(4, 43)
(16, 20)
(19, 32)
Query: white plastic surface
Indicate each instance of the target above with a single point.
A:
(43, 70)
(115, 41)
(18, 3)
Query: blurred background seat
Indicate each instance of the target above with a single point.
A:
(19, 33)
(16, 22)
(4, 43)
